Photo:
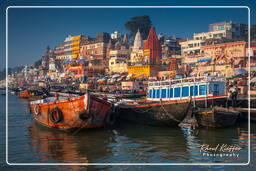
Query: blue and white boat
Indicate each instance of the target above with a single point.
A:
(186, 88)
(169, 101)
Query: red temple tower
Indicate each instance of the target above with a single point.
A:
(152, 48)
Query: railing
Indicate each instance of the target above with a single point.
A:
(185, 80)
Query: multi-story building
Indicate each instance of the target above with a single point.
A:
(219, 33)
(116, 35)
(221, 59)
(170, 46)
(118, 60)
(59, 52)
(117, 64)
(96, 49)
(235, 31)
(70, 48)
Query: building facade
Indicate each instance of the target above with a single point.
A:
(218, 33)
(95, 51)
(236, 31)
(220, 59)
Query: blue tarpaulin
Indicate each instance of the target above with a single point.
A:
(178, 76)
(204, 60)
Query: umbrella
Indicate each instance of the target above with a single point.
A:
(240, 71)
(115, 76)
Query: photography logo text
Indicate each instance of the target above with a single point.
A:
(220, 150)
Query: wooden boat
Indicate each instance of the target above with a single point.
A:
(66, 113)
(168, 102)
(31, 94)
(216, 117)
(34, 93)
(24, 94)
(244, 113)
(155, 113)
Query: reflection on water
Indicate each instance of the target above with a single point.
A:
(64, 147)
(127, 143)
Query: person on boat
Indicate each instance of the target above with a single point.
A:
(233, 94)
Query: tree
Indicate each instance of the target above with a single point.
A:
(143, 23)
(253, 32)
(38, 63)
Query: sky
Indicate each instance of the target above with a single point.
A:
(30, 30)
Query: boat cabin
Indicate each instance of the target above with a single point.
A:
(186, 88)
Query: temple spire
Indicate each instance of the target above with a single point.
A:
(152, 48)
(137, 41)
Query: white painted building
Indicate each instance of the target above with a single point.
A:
(227, 31)
(115, 35)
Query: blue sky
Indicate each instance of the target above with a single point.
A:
(31, 30)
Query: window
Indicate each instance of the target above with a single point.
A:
(193, 90)
(157, 93)
(154, 93)
(185, 91)
(216, 89)
(177, 92)
(163, 93)
(150, 93)
(202, 90)
(170, 92)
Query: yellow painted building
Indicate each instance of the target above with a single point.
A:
(146, 70)
(72, 46)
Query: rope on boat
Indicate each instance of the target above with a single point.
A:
(139, 111)
(172, 117)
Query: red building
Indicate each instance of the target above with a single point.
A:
(152, 48)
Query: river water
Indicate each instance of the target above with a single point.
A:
(29, 142)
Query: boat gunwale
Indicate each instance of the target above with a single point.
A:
(66, 101)
(157, 103)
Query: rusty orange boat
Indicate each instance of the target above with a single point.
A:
(70, 113)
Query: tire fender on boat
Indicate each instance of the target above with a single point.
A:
(59, 115)
(36, 109)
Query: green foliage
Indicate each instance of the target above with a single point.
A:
(38, 63)
(143, 23)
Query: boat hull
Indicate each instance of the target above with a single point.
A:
(244, 113)
(74, 113)
(216, 117)
(156, 114)
(30, 95)
(167, 113)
